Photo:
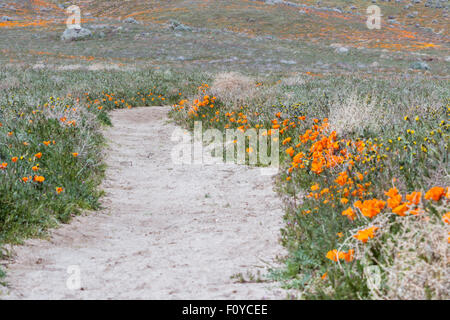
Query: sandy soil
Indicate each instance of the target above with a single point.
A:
(167, 231)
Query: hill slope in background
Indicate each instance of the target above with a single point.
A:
(363, 116)
(258, 36)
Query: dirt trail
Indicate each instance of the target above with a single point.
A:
(167, 232)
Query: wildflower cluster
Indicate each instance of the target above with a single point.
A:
(118, 101)
(48, 164)
(343, 203)
(345, 180)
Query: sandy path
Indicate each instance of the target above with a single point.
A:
(168, 231)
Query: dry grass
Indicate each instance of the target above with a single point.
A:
(296, 80)
(353, 114)
(9, 83)
(420, 268)
(233, 88)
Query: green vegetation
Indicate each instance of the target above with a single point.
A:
(344, 141)
(55, 97)
(46, 119)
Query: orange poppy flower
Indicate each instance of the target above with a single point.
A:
(297, 158)
(334, 255)
(364, 235)
(342, 178)
(290, 151)
(394, 201)
(414, 197)
(350, 213)
(435, 193)
(39, 179)
(392, 192)
(348, 256)
(415, 212)
(316, 167)
(446, 218)
(370, 208)
(287, 140)
(401, 210)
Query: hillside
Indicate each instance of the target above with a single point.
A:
(358, 117)
(252, 35)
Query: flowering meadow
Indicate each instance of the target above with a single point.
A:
(51, 147)
(366, 195)
(366, 199)
(367, 213)
(363, 117)
(49, 167)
